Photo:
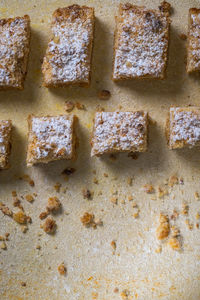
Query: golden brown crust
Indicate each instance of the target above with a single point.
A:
(73, 34)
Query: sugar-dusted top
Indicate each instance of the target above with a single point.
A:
(51, 136)
(119, 131)
(185, 125)
(141, 42)
(68, 53)
(193, 61)
(14, 44)
(5, 128)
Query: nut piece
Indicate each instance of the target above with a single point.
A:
(49, 225)
(163, 229)
(20, 217)
(62, 269)
(53, 205)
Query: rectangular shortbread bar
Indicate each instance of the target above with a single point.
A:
(69, 53)
(193, 41)
(14, 51)
(50, 138)
(141, 42)
(5, 143)
(183, 127)
(119, 132)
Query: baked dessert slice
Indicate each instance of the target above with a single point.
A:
(50, 138)
(119, 132)
(193, 41)
(69, 53)
(14, 51)
(141, 42)
(183, 127)
(5, 143)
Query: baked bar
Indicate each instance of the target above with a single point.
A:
(183, 127)
(50, 138)
(5, 143)
(141, 42)
(193, 41)
(14, 51)
(119, 132)
(69, 53)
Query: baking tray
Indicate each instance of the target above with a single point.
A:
(94, 269)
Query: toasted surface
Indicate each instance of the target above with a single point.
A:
(141, 43)
(14, 51)
(183, 127)
(68, 56)
(5, 142)
(50, 138)
(193, 41)
(119, 132)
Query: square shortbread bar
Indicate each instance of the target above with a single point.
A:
(51, 138)
(14, 51)
(141, 42)
(183, 127)
(193, 41)
(119, 132)
(69, 53)
(5, 143)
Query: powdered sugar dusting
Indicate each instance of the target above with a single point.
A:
(185, 126)
(193, 60)
(69, 52)
(14, 48)
(119, 131)
(141, 44)
(51, 137)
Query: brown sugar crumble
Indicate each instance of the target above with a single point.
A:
(163, 229)
(5, 210)
(20, 217)
(49, 225)
(62, 269)
(53, 204)
(104, 94)
(88, 220)
(68, 106)
(149, 189)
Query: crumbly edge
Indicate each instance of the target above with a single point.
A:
(144, 146)
(191, 11)
(6, 165)
(26, 53)
(163, 75)
(75, 143)
(66, 11)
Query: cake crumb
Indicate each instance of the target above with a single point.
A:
(53, 204)
(57, 187)
(129, 181)
(104, 94)
(3, 246)
(174, 243)
(159, 249)
(29, 198)
(162, 192)
(68, 171)
(49, 225)
(124, 294)
(62, 269)
(163, 229)
(116, 290)
(174, 215)
(183, 36)
(130, 198)
(173, 180)
(80, 106)
(5, 210)
(38, 247)
(196, 195)
(28, 179)
(24, 228)
(20, 217)
(149, 189)
(105, 174)
(95, 180)
(133, 155)
(87, 194)
(88, 219)
(43, 215)
(189, 225)
(68, 106)
(114, 200)
(185, 209)
(23, 283)
(2, 238)
(113, 245)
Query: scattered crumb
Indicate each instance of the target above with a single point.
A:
(5, 210)
(62, 269)
(49, 225)
(116, 290)
(105, 175)
(28, 179)
(87, 219)
(29, 198)
(95, 180)
(134, 204)
(14, 193)
(174, 215)
(43, 215)
(80, 106)
(114, 200)
(173, 180)
(104, 95)
(124, 294)
(196, 195)
(53, 205)
(7, 234)
(183, 36)
(133, 155)
(163, 229)
(129, 181)
(130, 198)
(112, 157)
(87, 194)
(175, 231)
(136, 214)
(99, 108)
(181, 181)
(159, 249)
(165, 7)
(113, 245)
(149, 189)
(189, 225)
(20, 217)
(162, 192)
(174, 243)
(24, 228)
(68, 171)
(198, 215)
(68, 106)
(2, 238)
(23, 283)
(17, 203)
(122, 201)
(38, 247)
(185, 209)
(3, 246)
(57, 187)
